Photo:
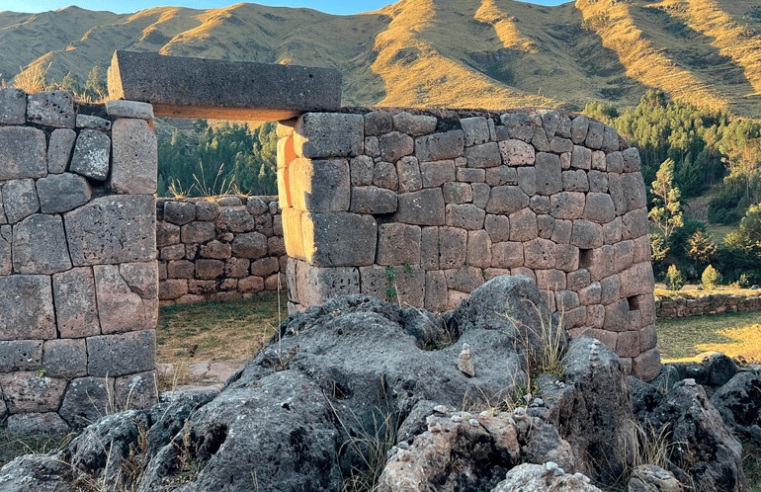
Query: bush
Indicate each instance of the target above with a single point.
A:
(710, 278)
(674, 279)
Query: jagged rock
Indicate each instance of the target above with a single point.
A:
(651, 478)
(739, 403)
(544, 478)
(38, 473)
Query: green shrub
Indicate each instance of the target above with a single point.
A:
(674, 279)
(710, 278)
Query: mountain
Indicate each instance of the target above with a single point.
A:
(457, 53)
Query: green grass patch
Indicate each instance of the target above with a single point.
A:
(731, 333)
(14, 445)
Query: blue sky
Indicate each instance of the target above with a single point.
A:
(341, 7)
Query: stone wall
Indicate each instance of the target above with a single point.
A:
(78, 276)
(679, 307)
(219, 249)
(424, 208)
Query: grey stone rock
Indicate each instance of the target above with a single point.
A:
(62, 192)
(207, 211)
(93, 122)
(395, 145)
(37, 423)
(126, 232)
(86, 401)
(119, 355)
(721, 369)
(256, 206)
(179, 212)
(527, 180)
(384, 176)
(586, 234)
(579, 127)
(518, 125)
(523, 225)
(481, 192)
(517, 152)
(320, 185)
(560, 145)
(64, 358)
(361, 170)
(575, 181)
(51, 108)
(342, 239)
(39, 246)
(634, 224)
(567, 205)
(498, 227)
(465, 216)
(35, 472)
(408, 171)
(229, 201)
(251, 245)
(581, 157)
(483, 156)
(119, 308)
(12, 106)
(615, 162)
(195, 232)
(595, 134)
(398, 244)
(92, 154)
(372, 200)
(539, 254)
(540, 141)
(610, 140)
(22, 355)
(651, 478)
(20, 200)
(634, 189)
(135, 158)
(599, 208)
(235, 219)
(424, 207)
(436, 174)
(27, 317)
(632, 162)
(129, 109)
(548, 174)
(739, 403)
(315, 285)
(504, 200)
(457, 192)
(529, 477)
(378, 123)
(476, 130)
(136, 391)
(324, 135)
(502, 175)
(440, 146)
(415, 125)
(59, 149)
(598, 181)
(22, 153)
(3, 218)
(26, 392)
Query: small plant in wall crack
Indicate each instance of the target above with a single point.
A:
(391, 293)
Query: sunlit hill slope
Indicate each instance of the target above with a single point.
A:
(456, 53)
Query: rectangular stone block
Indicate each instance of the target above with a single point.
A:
(135, 158)
(476, 130)
(339, 239)
(6, 242)
(204, 88)
(121, 309)
(320, 185)
(483, 156)
(294, 239)
(75, 303)
(126, 230)
(316, 285)
(12, 106)
(452, 247)
(440, 146)
(324, 135)
(24, 355)
(23, 153)
(65, 358)
(424, 207)
(464, 279)
(372, 200)
(118, 355)
(26, 308)
(92, 154)
(376, 281)
(26, 392)
(398, 244)
(429, 248)
(435, 291)
(410, 286)
(51, 108)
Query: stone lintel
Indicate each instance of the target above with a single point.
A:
(183, 87)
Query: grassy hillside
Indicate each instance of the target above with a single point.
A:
(464, 53)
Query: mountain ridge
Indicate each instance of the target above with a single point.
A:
(428, 53)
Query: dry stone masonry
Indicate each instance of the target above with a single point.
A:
(78, 270)
(223, 249)
(423, 208)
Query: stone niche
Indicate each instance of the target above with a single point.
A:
(78, 270)
(423, 208)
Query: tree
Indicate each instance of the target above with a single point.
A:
(674, 279)
(95, 87)
(747, 238)
(666, 215)
(701, 248)
(710, 278)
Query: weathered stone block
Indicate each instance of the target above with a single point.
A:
(22, 153)
(624, 255)
(591, 294)
(62, 192)
(567, 205)
(39, 246)
(483, 156)
(647, 365)
(610, 289)
(464, 279)
(648, 338)
(384, 176)
(539, 254)
(64, 358)
(481, 192)
(378, 123)
(197, 232)
(545, 225)
(578, 279)
(470, 175)
(316, 285)
(320, 185)
(540, 204)
(12, 106)
(502, 175)
(476, 130)
(141, 278)
(599, 208)
(126, 232)
(465, 216)
(168, 234)
(523, 225)
(395, 145)
(457, 193)
(424, 207)
(505, 200)
(595, 134)
(548, 174)
(129, 109)
(372, 147)
(179, 212)
(637, 280)
(37, 423)
(92, 154)
(598, 182)
(51, 108)
(323, 135)
(617, 316)
(517, 153)
(251, 285)
(440, 146)
(93, 122)
(292, 233)
(256, 206)
(575, 181)
(216, 250)
(613, 231)
(435, 174)
(361, 170)
(610, 141)
(172, 289)
(586, 235)
(579, 128)
(452, 247)
(136, 391)
(209, 269)
(25, 392)
(479, 249)
(206, 211)
(86, 401)
(560, 145)
(550, 280)
(264, 267)
(75, 303)
(59, 150)
(398, 244)
(519, 126)
(408, 171)
(435, 291)
(498, 227)
(507, 255)
(118, 355)
(599, 161)
(567, 257)
(182, 269)
(276, 246)
(20, 200)
(615, 163)
(634, 190)
(24, 355)
(561, 233)
(429, 248)
(632, 162)
(341, 239)
(634, 224)
(135, 158)
(119, 308)
(236, 219)
(600, 262)
(540, 140)
(375, 282)
(415, 125)
(527, 180)
(6, 242)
